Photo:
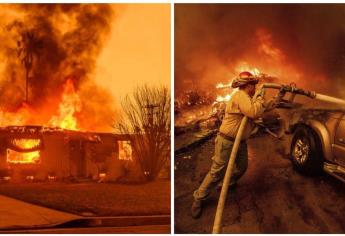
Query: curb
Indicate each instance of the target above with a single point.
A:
(109, 221)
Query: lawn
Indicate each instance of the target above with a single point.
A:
(100, 199)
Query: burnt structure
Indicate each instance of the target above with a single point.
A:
(42, 153)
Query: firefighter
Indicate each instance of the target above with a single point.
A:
(240, 104)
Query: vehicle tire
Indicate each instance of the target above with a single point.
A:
(306, 151)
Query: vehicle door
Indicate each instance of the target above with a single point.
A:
(339, 142)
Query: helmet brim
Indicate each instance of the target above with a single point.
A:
(237, 83)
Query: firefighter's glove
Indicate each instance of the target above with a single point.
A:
(260, 93)
(282, 91)
(277, 99)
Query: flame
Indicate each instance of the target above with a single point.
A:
(26, 143)
(245, 66)
(221, 85)
(26, 157)
(60, 112)
(272, 59)
(65, 118)
(223, 98)
(266, 46)
(268, 57)
(240, 68)
(69, 106)
(263, 57)
(19, 117)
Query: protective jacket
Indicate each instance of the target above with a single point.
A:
(241, 104)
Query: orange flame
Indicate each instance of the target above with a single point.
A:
(69, 106)
(221, 85)
(266, 46)
(27, 157)
(65, 118)
(223, 98)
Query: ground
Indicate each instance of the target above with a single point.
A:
(271, 198)
(95, 199)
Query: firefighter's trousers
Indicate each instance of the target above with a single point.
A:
(220, 160)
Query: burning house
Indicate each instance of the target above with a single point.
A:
(55, 120)
(41, 153)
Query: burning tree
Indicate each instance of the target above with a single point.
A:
(146, 120)
(28, 48)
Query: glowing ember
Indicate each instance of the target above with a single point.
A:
(69, 105)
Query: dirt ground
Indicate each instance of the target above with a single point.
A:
(95, 199)
(270, 198)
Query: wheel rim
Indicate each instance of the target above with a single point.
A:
(301, 150)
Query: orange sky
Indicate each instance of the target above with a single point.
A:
(138, 49)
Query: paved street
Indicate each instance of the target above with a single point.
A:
(271, 198)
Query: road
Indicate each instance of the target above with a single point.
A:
(271, 198)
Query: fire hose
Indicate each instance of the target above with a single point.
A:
(282, 90)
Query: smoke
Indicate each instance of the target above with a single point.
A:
(301, 43)
(64, 41)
